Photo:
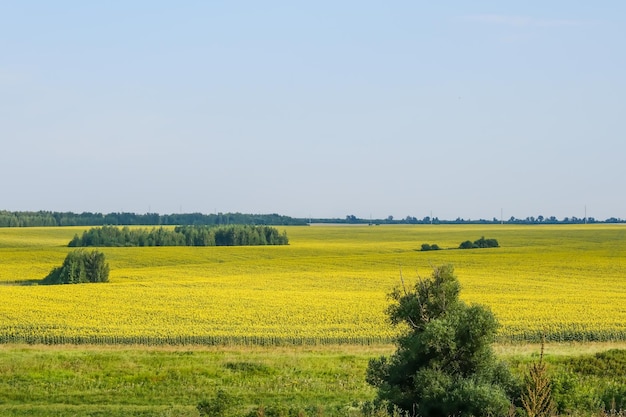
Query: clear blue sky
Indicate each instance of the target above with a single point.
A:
(323, 109)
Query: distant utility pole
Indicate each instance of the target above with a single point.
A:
(585, 214)
(501, 217)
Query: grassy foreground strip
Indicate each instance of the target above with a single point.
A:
(141, 381)
(121, 381)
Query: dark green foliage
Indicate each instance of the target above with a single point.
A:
(125, 236)
(48, 218)
(486, 243)
(601, 363)
(466, 245)
(427, 247)
(577, 387)
(80, 267)
(444, 364)
(218, 406)
(480, 243)
(233, 235)
(614, 397)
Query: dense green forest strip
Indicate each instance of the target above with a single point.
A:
(49, 218)
(233, 235)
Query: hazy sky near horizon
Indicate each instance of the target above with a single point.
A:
(322, 109)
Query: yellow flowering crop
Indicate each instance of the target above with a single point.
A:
(328, 286)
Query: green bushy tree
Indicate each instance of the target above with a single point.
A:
(79, 267)
(466, 245)
(486, 243)
(479, 243)
(444, 364)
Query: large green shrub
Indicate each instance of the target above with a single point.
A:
(479, 243)
(444, 364)
(79, 267)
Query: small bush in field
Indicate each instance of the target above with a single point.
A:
(80, 267)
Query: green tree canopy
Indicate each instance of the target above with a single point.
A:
(444, 364)
(231, 235)
(79, 267)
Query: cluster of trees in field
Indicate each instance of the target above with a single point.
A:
(468, 244)
(233, 235)
(479, 243)
(428, 246)
(49, 218)
(80, 267)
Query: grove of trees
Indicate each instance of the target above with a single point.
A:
(479, 243)
(50, 218)
(428, 246)
(234, 235)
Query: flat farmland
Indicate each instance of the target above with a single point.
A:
(328, 286)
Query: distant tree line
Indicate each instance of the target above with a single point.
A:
(49, 218)
(352, 219)
(233, 235)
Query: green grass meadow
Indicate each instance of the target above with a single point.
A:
(142, 381)
(317, 381)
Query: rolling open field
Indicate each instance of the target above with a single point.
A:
(328, 286)
(325, 293)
